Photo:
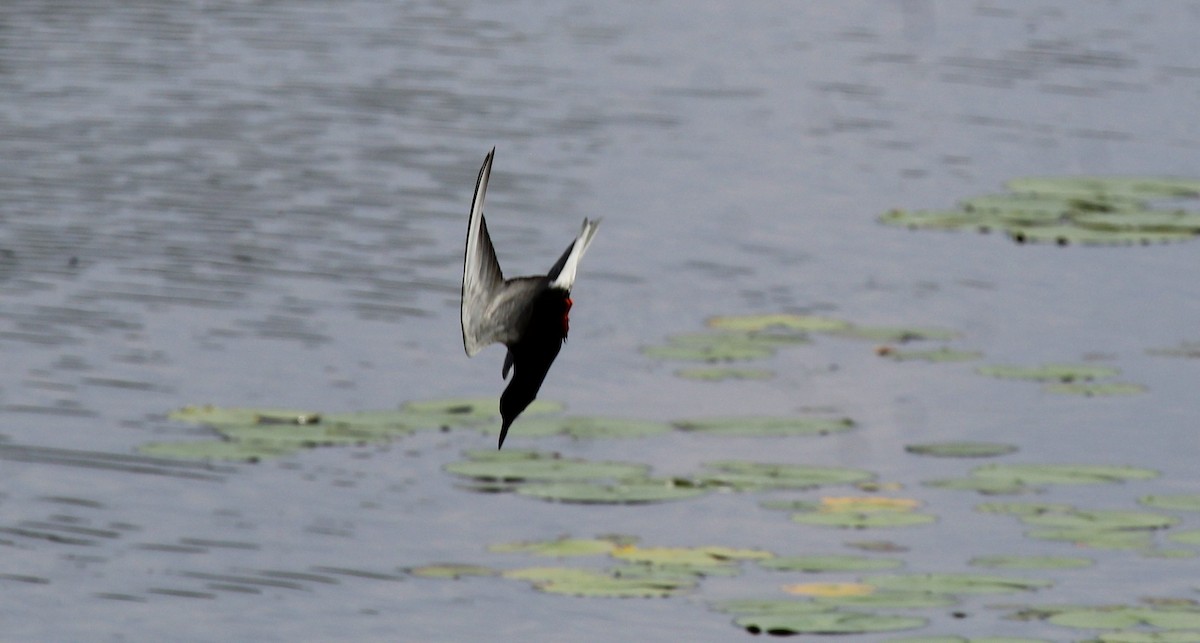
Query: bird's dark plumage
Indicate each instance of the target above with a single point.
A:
(526, 314)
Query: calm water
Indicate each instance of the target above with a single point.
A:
(263, 204)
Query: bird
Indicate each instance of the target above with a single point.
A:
(529, 315)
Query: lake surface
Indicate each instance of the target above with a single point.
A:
(264, 204)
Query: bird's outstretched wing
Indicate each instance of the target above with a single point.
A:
(562, 275)
(482, 277)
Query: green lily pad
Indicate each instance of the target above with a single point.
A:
(1031, 562)
(1187, 537)
(559, 548)
(768, 606)
(890, 600)
(862, 520)
(1095, 389)
(836, 622)
(1147, 220)
(1123, 617)
(1043, 474)
(936, 219)
(1149, 637)
(584, 582)
(943, 354)
(757, 323)
(625, 492)
(216, 450)
(1174, 502)
(747, 476)
(216, 416)
(544, 467)
(961, 449)
(722, 374)
(954, 584)
(766, 426)
(1065, 235)
(985, 486)
(689, 556)
(1049, 372)
(1134, 187)
(451, 570)
(587, 427)
(832, 563)
(1101, 520)
(1096, 538)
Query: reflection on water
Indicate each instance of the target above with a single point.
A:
(263, 204)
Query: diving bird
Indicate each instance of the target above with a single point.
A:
(526, 314)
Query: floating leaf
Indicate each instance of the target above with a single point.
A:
(757, 323)
(833, 563)
(1023, 508)
(1174, 502)
(766, 426)
(1095, 389)
(1133, 187)
(1095, 538)
(745, 476)
(216, 450)
(692, 556)
(216, 416)
(1049, 372)
(544, 467)
(1147, 220)
(722, 374)
(451, 570)
(1123, 617)
(1149, 637)
(829, 589)
(956, 583)
(626, 492)
(853, 520)
(1065, 235)
(587, 427)
(583, 582)
(1031, 562)
(1101, 520)
(835, 622)
(1187, 537)
(560, 547)
(937, 220)
(1039, 474)
(961, 449)
(454, 412)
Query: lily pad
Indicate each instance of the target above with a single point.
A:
(1095, 389)
(1065, 235)
(692, 556)
(747, 476)
(854, 520)
(472, 411)
(216, 450)
(1049, 372)
(889, 600)
(1134, 187)
(1043, 474)
(544, 467)
(584, 582)
(1187, 537)
(757, 323)
(559, 548)
(957, 583)
(961, 449)
(451, 570)
(1101, 520)
(587, 427)
(766, 426)
(832, 563)
(1174, 502)
(1031, 562)
(1096, 538)
(834, 622)
(626, 492)
(1023, 508)
(1125, 617)
(1150, 637)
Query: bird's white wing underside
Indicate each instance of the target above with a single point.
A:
(482, 277)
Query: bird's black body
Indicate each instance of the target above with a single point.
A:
(526, 314)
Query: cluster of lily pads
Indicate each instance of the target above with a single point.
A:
(742, 338)
(1072, 210)
(548, 476)
(255, 434)
(1070, 379)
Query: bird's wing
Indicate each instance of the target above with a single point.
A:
(562, 275)
(482, 277)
